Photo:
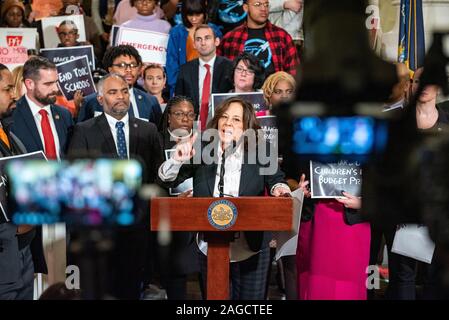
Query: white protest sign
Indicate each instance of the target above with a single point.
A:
(18, 37)
(412, 240)
(152, 46)
(49, 29)
(13, 56)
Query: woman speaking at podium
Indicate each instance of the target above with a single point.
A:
(231, 175)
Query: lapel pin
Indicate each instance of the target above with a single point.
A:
(139, 97)
(135, 125)
(56, 116)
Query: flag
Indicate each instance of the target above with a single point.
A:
(411, 49)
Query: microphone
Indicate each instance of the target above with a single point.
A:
(228, 151)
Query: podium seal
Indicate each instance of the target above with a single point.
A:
(222, 214)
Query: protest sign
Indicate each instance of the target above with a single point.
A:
(152, 46)
(75, 75)
(64, 54)
(49, 29)
(269, 127)
(328, 180)
(13, 56)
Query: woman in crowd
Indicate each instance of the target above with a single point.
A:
(333, 251)
(154, 79)
(279, 87)
(13, 15)
(180, 47)
(248, 73)
(147, 18)
(250, 253)
(178, 259)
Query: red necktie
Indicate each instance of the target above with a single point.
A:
(49, 141)
(204, 109)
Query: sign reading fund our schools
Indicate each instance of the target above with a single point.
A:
(75, 75)
(328, 180)
(152, 46)
(59, 55)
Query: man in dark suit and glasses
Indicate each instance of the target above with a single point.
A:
(117, 135)
(126, 61)
(208, 74)
(16, 264)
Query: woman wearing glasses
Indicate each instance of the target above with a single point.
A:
(250, 253)
(178, 259)
(248, 73)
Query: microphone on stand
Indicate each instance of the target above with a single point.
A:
(229, 150)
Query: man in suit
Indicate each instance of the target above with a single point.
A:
(116, 134)
(208, 74)
(41, 125)
(125, 61)
(16, 264)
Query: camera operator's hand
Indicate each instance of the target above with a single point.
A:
(351, 202)
(184, 149)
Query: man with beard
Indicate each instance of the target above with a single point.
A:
(118, 135)
(126, 61)
(16, 265)
(41, 126)
(38, 123)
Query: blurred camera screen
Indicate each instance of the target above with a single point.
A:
(81, 193)
(358, 135)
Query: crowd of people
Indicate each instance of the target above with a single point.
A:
(144, 111)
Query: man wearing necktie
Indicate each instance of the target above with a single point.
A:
(116, 134)
(41, 126)
(125, 61)
(199, 78)
(16, 264)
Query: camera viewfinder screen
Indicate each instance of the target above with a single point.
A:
(81, 193)
(358, 135)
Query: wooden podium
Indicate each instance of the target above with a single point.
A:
(193, 214)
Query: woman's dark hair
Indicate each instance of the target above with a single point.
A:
(249, 115)
(59, 291)
(252, 63)
(113, 53)
(163, 125)
(190, 7)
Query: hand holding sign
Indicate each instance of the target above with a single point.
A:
(184, 149)
(351, 202)
(303, 185)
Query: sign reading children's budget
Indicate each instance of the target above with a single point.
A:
(75, 75)
(328, 180)
(152, 46)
